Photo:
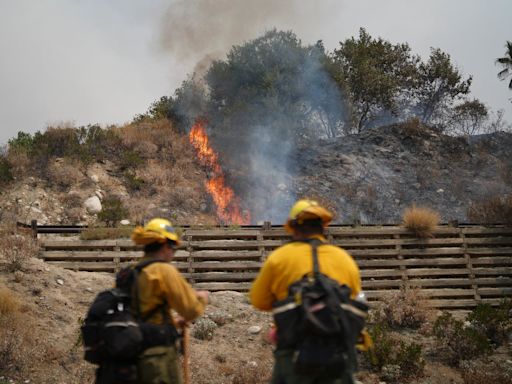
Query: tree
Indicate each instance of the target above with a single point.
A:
(439, 85)
(374, 73)
(506, 63)
(469, 117)
(273, 82)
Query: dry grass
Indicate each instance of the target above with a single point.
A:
(421, 221)
(64, 173)
(18, 348)
(16, 247)
(9, 302)
(492, 211)
(101, 233)
(473, 373)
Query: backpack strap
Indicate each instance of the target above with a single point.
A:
(164, 307)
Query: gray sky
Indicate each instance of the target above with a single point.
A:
(104, 61)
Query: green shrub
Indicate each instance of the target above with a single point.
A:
(24, 142)
(395, 360)
(494, 323)
(130, 160)
(5, 171)
(203, 329)
(132, 182)
(101, 233)
(112, 211)
(460, 342)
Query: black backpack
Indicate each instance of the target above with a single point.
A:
(114, 330)
(320, 322)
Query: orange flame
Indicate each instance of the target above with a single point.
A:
(227, 203)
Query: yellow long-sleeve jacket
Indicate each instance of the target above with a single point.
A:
(162, 281)
(292, 261)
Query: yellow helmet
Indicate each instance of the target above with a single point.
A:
(307, 209)
(155, 231)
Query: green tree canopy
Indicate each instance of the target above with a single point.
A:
(439, 85)
(375, 73)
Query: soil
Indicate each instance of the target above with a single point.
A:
(237, 353)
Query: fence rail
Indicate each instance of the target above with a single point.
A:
(457, 268)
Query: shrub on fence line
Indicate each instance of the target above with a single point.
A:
(103, 233)
(495, 210)
(420, 220)
(406, 308)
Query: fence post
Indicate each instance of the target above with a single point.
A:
(33, 225)
(469, 266)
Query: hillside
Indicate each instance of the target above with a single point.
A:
(154, 170)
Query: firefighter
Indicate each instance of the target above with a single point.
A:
(161, 284)
(288, 264)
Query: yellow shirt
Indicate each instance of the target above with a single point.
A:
(162, 281)
(290, 262)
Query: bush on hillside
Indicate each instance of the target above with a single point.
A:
(112, 211)
(406, 308)
(495, 210)
(64, 173)
(395, 360)
(421, 221)
(459, 341)
(16, 247)
(472, 372)
(494, 322)
(18, 347)
(5, 171)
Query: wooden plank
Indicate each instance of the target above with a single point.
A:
(235, 265)
(223, 286)
(352, 243)
(235, 244)
(490, 251)
(367, 273)
(489, 240)
(492, 271)
(492, 261)
(227, 255)
(411, 262)
(221, 233)
(406, 252)
(221, 276)
(501, 291)
(97, 255)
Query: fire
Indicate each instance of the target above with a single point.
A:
(227, 203)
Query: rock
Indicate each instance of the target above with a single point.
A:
(36, 210)
(254, 330)
(93, 204)
(281, 186)
(252, 364)
(99, 194)
(124, 222)
(60, 281)
(440, 190)
(88, 289)
(94, 178)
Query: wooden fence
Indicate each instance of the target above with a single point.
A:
(457, 268)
